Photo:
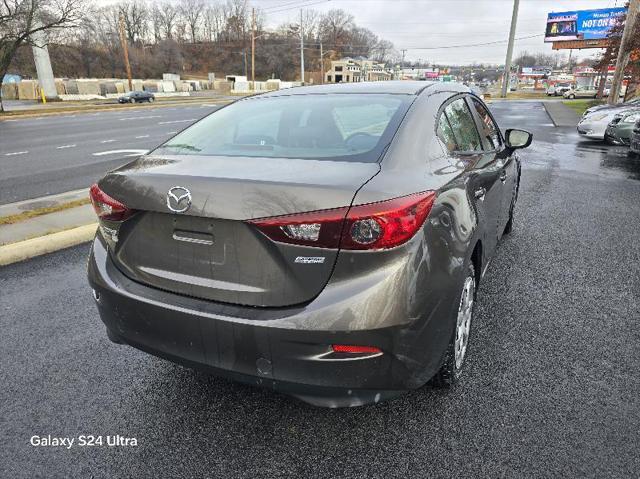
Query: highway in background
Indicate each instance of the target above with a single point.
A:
(45, 155)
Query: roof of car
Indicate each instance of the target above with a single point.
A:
(404, 87)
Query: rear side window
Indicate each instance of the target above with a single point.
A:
(445, 134)
(344, 127)
(488, 129)
(463, 125)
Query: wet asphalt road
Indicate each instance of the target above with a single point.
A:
(551, 387)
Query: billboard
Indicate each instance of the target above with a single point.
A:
(582, 24)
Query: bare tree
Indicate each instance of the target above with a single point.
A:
(335, 26)
(21, 19)
(191, 11)
(135, 15)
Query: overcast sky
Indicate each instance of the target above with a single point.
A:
(433, 23)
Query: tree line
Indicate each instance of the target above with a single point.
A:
(182, 36)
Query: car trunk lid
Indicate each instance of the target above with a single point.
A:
(210, 251)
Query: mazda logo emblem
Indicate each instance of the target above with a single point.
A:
(178, 199)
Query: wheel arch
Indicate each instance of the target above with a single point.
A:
(476, 260)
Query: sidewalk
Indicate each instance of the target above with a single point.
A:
(561, 114)
(42, 225)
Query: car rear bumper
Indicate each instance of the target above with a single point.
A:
(255, 346)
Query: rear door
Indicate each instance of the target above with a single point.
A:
(493, 144)
(457, 129)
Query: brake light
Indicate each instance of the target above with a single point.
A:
(381, 225)
(106, 207)
(352, 349)
(388, 223)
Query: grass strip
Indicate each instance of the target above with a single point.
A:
(11, 219)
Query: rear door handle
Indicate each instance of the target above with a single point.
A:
(479, 193)
(503, 175)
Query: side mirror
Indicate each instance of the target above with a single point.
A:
(516, 139)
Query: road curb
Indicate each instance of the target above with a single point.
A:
(23, 250)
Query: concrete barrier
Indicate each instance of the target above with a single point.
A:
(168, 86)
(60, 88)
(10, 91)
(71, 87)
(27, 90)
(222, 86)
(88, 87)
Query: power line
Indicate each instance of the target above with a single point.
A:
(446, 47)
(308, 3)
(284, 4)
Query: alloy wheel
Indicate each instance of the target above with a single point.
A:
(463, 323)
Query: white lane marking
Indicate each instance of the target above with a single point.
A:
(140, 117)
(176, 121)
(171, 132)
(11, 120)
(62, 147)
(16, 153)
(143, 136)
(116, 152)
(107, 141)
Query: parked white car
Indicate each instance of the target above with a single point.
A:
(558, 89)
(593, 126)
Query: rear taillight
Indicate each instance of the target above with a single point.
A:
(108, 208)
(372, 226)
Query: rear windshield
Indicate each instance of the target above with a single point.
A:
(336, 127)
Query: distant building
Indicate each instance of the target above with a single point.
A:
(353, 70)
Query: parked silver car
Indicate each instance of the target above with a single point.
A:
(325, 241)
(581, 92)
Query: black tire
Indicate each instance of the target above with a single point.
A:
(509, 226)
(449, 372)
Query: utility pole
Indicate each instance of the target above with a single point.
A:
(321, 64)
(506, 80)
(125, 49)
(624, 52)
(301, 50)
(404, 50)
(253, 48)
(244, 55)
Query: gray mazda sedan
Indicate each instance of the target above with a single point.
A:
(324, 241)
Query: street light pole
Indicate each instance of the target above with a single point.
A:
(507, 64)
(253, 48)
(301, 50)
(321, 64)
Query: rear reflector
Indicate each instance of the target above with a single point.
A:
(106, 207)
(351, 349)
(381, 225)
